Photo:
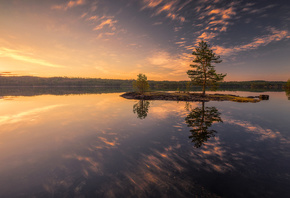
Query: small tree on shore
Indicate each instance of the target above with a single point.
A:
(204, 73)
(288, 85)
(141, 84)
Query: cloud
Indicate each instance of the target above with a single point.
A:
(7, 74)
(216, 19)
(223, 13)
(101, 69)
(158, 23)
(207, 36)
(170, 8)
(68, 5)
(104, 25)
(18, 55)
(161, 58)
(151, 3)
(107, 22)
(261, 10)
(92, 18)
(175, 65)
(275, 35)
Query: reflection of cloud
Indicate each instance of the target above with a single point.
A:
(92, 165)
(214, 148)
(256, 129)
(19, 55)
(159, 170)
(10, 119)
(162, 111)
(112, 143)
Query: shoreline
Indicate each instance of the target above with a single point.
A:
(194, 97)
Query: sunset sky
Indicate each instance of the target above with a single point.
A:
(120, 38)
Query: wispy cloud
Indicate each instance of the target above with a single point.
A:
(161, 58)
(68, 5)
(216, 18)
(170, 8)
(274, 36)
(103, 25)
(21, 56)
(175, 65)
(7, 74)
(207, 36)
(261, 10)
(110, 22)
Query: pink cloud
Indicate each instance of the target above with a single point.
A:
(207, 36)
(107, 22)
(169, 7)
(70, 4)
(276, 35)
(217, 20)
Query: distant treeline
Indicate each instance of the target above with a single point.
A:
(61, 82)
(34, 91)
(31, 81)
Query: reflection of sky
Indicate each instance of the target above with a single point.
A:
(95, 145)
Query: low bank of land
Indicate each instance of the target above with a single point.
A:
(181, 96)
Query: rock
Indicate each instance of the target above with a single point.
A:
(264, 97)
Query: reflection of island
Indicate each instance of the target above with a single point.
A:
(141, 108)
(200, 119)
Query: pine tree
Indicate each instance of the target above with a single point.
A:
(204, 73)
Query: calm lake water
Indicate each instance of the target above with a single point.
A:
(102, 145)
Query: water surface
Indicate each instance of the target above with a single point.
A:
(102, 145)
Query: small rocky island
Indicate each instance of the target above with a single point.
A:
(185, 96)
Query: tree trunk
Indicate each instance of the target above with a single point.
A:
(204, 81)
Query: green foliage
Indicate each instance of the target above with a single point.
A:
(287, 89)
(141, 108)
(200, 119)
(188, 85)
(204, 74)
(32, 81)
(288, 84)
(62, 82)
(141, 84)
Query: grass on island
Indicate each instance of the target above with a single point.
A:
(212, 97)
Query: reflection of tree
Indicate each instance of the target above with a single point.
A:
(141, 108)
(200, 119)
